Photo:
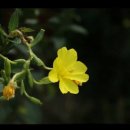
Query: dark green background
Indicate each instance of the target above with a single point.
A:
(102, 39)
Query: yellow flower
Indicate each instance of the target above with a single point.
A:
(9, 91)
(68, 71)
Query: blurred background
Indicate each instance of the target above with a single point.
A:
(102, 39)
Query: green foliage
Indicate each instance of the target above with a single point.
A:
(16, 78)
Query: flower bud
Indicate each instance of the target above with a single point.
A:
(7, 67)
(9, 91)
(30, 78)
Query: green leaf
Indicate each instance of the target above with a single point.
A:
(25, 30)
(14, 20)
(38, 38)
(44, 80)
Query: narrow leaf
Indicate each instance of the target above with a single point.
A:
(38, 38)
(14, 20)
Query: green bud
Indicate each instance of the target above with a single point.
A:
(35, 100)
(7, 68)
(22, 87)
(30, 78)
(37, 60)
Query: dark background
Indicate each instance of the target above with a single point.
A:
(102, 39)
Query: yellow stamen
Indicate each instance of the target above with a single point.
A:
(78, 83)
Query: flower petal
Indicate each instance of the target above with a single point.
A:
(62, 87)
(62, 52)
(59, 67)
(55, 64)
(68, 57)
(72, 55)
(78, 68)
(53, 77)
(78, 77)
(68, 85)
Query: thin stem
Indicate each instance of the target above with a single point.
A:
(47, 68)
(18, 74)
